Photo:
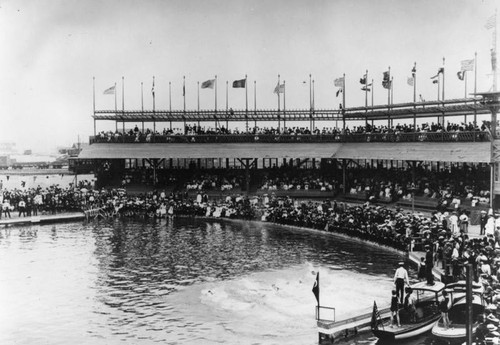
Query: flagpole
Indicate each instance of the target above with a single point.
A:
(366, 99)
(314, 98)
(343, 103)
(184, 92)
(318, 296)
(93, 103)
(414, 75)
(284, 106)
(123, 105)
(465, 93)
(443, 83)
(373, 87)
(310, 93)
(153, 91)
(246, 95)
(495, 54)
(278, 102)
(227, 92)
(389, 90)
(154, 105)
(439, 86)
(414, 83)
(123, 94)
(198, 96)
(392, 90)
(170, 96)
(475, 83)
(366, 89)
(216, 93)
(142, 105)
(255, 96)
(116, 109)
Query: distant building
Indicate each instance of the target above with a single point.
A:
(7, 148)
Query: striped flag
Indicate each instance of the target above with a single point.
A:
(467, 65)
(375, 316)
(279, 88)
(339, 82)
(208, 84)
(491, 22)
(110, 90)
(410, 81)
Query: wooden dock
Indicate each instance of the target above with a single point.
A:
(43, 219)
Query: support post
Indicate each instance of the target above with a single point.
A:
(468, 297)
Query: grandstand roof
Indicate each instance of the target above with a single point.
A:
(478, 152)
(450, 107)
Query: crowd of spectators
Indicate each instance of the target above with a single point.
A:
(444, 233)
(191, 132)
(27, 202)
(447, 185)
(223, 182)
(298, 180)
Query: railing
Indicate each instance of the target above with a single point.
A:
(328, 314)
(478, 136)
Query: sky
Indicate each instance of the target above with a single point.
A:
(52, 50)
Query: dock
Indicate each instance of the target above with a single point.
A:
(329, 331)
(43, 219)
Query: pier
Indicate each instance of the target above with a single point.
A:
(43, 219)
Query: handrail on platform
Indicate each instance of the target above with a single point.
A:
(318, 318)
(476, 136)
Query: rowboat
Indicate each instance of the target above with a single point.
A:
(427, 314)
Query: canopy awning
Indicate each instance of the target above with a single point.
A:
(467, 152)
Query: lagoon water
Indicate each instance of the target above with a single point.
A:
(187, 281)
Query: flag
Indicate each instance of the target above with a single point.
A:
(413, 71)
(435, 81)
(363, 80)
(110, 90)
(339, 82)
(410, 81)
(386, 80)
(239, 83)
(467, 65)
(375, 316)
(440, 70)
(208, 84)
(279, 88)
(315, 288)
(461, 75)
(339, 91)
(153, 88)
(491, 22)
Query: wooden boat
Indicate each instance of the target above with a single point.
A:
(458, 312)
(427, 315)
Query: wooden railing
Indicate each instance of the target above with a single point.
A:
(477, 136)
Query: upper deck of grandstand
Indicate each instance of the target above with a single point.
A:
(451, 107)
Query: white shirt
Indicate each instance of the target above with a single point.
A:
(401, 273)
